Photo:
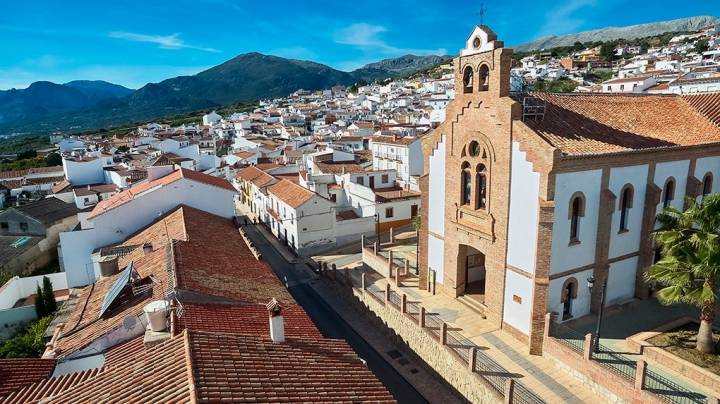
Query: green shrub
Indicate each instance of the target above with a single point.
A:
(28, 343)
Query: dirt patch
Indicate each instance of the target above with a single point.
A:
(681, 342)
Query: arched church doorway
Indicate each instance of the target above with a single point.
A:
(473, 263)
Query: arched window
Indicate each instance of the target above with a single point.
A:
(484, 77)
(707, 185)
(468, 80)
(577, 210)
(481, 184)
(626, 202)
(669, 192)
(466, 184)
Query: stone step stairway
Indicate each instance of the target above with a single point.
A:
(473, 304)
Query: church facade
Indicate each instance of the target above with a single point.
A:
(526, 196)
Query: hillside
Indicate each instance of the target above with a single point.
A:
(612, 33)
(247, 77)
(43, 98)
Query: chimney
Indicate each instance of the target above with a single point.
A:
(395, 137)
(108, 265)
(147, 248)
(277, 323)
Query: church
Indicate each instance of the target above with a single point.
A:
(534, 193)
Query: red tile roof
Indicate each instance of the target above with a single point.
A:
(255, 175)
(210, 367)
(130, 194)
(708, 104)
(292, 194)
(242, 369)
(246, 320)
(582, 124)
(18, 373)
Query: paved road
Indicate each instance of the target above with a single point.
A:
(296, 278)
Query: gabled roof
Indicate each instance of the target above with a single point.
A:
(130, 194)
(290, 193)
(208, 262)
(586, 124)
(255, 175)
(48, 210)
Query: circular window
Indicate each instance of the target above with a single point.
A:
(476, 42)
(474, 149)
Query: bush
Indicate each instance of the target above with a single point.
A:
(28, 343)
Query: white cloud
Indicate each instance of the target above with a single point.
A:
(561, 20)
(163, 41)
(368, 37)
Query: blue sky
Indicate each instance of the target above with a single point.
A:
(134, 42)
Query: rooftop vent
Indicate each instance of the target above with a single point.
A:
(108, 265)
(277, 323)
(157, 315)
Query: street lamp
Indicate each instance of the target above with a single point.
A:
(596, 339)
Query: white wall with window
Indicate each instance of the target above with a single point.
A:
(627, 182)
(568, 255)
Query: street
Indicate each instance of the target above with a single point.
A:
(296, 278)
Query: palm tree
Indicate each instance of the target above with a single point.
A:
(689, 268)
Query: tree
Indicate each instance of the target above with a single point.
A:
(53, 159)
(40, 308)
(689, 268)
(701, 46)
(578, 46)
(49, 296)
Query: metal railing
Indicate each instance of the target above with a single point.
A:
(625, 367)
(670, 391)
(615, 362)
(487, 368)
(569, 337)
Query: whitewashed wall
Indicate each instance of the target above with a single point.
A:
(84, 172)
(514, 313)
(621, 281)
(678, 170)
(580, 305)
(436, 253)
(436, 185)
(565, 256)
(524, 206)
(627, 242)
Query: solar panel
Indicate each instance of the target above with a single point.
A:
(117, 287)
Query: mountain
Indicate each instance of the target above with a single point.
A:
(247, 77)
(99, 89)
(43, 97)
(403, 65)
(612, 33)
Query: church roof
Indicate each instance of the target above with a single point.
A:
(585, 124)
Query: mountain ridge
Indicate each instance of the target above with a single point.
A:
(612, 33)
(246, 77)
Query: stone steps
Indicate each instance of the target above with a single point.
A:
(472, 304)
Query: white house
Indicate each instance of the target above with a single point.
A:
(402, 154)
(119, 216)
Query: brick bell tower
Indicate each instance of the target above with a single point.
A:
(476, 142)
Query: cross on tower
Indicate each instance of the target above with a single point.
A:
(482, 12)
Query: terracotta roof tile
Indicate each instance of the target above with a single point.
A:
(251, 319)
(130, 194)
(49, 387)
(18, 373)
(255, 175)
(242, 368)
(581, 124)
(291, 193)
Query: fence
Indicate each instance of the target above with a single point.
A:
(636, 373)
(465, 351)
